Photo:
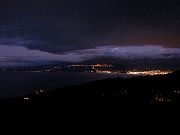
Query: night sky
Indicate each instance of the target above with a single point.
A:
(77, 30)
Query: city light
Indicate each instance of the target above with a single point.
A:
(151, 72)
(91, 68)
(103, 71)
(26, 98)
(95, 65)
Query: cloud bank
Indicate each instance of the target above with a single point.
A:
(20, 54)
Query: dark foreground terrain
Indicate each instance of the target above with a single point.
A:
(149, 90)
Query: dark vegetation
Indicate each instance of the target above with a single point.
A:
(148, 90)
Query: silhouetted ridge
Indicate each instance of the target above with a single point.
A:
(139, 90)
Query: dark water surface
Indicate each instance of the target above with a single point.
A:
(15, 84)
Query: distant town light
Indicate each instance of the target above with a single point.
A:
(151, 72)
(26, 98)
(37, 92)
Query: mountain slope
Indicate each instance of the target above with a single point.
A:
(140, 90)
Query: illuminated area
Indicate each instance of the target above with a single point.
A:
(151, 72)
(96, 65)
(93, 68)
(104, 72)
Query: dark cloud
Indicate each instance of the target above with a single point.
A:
(20, 55)
(63, 25)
